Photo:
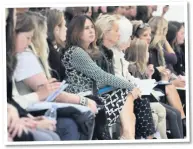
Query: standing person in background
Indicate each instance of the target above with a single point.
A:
(89, 11)
(131, 12)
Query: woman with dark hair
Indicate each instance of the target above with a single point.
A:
(21, 125)
(171, 34)
(11, 61)
(84, 75)
(171, 38)
(180, 66)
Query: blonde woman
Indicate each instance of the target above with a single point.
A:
(159, 28)
(108, 32)
(143, 31)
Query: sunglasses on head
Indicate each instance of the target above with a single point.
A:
(141, 26)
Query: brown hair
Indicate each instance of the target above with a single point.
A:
(75, 29)
(137, 53)
(139, 28)
(54, 18)
(24, 23)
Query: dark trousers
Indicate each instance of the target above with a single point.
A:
(67, 129)
(173, 117)
(24, 137)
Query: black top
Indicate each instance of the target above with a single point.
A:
(153, 59)
(58, 70)
(106, 60)
(10, 100)
(180, 66)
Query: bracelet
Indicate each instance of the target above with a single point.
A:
(83, 101)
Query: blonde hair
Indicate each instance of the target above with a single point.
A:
(136, 53)
(105, 23)
(39, 41)
(159, 29)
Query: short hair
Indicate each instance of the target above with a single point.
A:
(125, 29)
(104, 23)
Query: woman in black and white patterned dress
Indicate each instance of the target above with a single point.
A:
(81, 70)
(107, 31)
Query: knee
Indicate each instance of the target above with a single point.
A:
(162, 112)
(177, 113)
(67, 129)
(55, 137)
(155, 119)
(172, 115)
(42, 136)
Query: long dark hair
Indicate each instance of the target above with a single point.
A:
(75, 29)
(10, 44)
(171, 34)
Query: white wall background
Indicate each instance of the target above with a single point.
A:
(175, 13)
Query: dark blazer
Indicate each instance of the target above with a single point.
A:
(180, 66)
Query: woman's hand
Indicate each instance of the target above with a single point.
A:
(150, 70)
(45, 123)
(46, 89)
(17, 128)
(29, 122)
(179, 83)
(165, 73)
(15, 124)
(136, 93)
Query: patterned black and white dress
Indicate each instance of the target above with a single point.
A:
(81, 70)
